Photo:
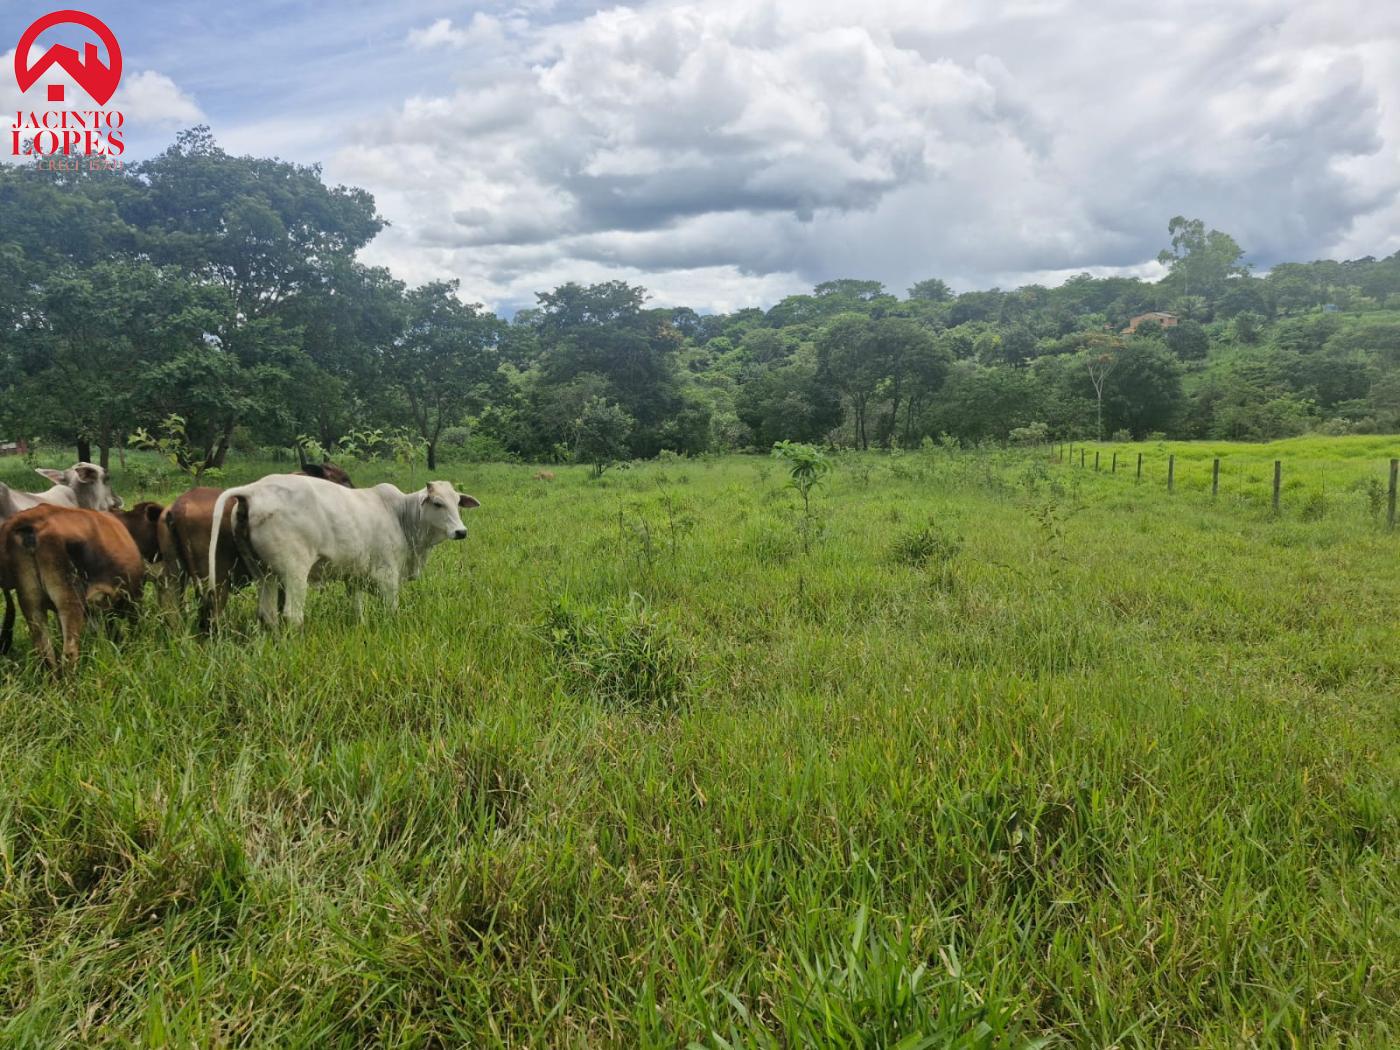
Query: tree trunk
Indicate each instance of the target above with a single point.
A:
(216, 460)
(104, 455)
(432, 454)
(84, 450)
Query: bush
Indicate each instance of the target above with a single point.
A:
(462, 445)
(1030, 434)
(601, 434)
(925, 545)
(1315, 506)
(623, 656)
(1336, 427)
(453, 439)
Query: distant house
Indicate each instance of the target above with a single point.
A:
(14, 448)
(1163, 318)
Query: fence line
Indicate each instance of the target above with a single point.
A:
(1065, 453)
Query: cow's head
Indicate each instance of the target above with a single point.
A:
(441, 512)
(90, 483)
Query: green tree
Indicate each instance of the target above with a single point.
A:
(444, 364)
(932, 290)
(603, 329)
(1143, 390)
(847, 349)
(600, 434)
(1188, 340)
(1201, 261)
(269, 234)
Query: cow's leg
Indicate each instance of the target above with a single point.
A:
(35, 608)
(389, 590)
(211, 604)
(170, 585)
(170, 582)
(295, 586)
(126, 612)
(71, 612)
(269, 592)
(45, 583)
(7, 629)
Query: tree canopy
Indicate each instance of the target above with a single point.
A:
(228, 291)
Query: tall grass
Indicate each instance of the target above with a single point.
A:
(1130, 779)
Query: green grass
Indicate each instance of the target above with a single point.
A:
(1015, 753)
(1336, 469)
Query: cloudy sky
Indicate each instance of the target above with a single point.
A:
(725, 153)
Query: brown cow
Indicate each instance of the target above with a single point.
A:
(64, 560)
(184, 545)
(144, 524)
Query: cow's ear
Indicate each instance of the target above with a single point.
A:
(56, 476)
(467, 502)
(153, 512)
(88, 474)
(313, 470)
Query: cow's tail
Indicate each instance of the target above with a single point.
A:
(183, 554)
(219, 504)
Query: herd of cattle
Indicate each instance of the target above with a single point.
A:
(73, 549)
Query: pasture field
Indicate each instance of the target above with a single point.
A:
(1014, 753)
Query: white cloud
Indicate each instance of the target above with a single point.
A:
(154, 100)
(482, 31)
(712, 149)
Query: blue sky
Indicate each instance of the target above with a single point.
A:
(725, 153)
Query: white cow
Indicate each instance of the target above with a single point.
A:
(294, 529)
(84, 485)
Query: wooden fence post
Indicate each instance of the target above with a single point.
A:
(1081, 457)
(1390, 503)
(1278, 481)
(1115, 464)
(1215, 478)
(1139, 473)
(1171, 473)
(1096, 461)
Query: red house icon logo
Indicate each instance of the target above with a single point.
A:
(98, 80)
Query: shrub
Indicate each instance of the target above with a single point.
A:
(1315, 506)
(453, 440)
(926, 545)
(601, 434)
(462, 445)
(770, 542)
(1030, 434)
(1337, 427)
(623, 656)
(1373, 491)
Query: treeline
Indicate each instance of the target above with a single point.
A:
(226, 292)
